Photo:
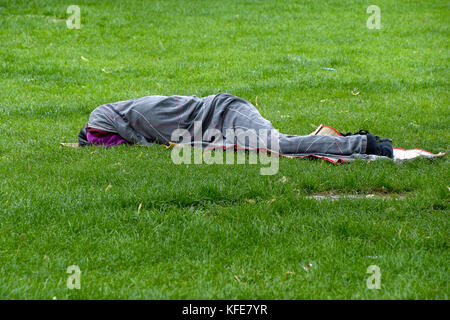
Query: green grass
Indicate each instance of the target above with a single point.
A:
(223, 231)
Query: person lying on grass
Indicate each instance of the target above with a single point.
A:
(220, 120)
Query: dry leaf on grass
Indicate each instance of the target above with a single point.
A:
(69, 144)
(140, 207)
(84, 59)
(108, 187)
(308, 266)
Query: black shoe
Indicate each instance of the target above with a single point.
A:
(379, 147)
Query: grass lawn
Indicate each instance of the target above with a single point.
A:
(223, 231)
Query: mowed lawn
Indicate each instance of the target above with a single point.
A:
(140, 227)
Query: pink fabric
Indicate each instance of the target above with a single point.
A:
(98, 137)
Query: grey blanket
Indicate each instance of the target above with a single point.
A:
(215, 121)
